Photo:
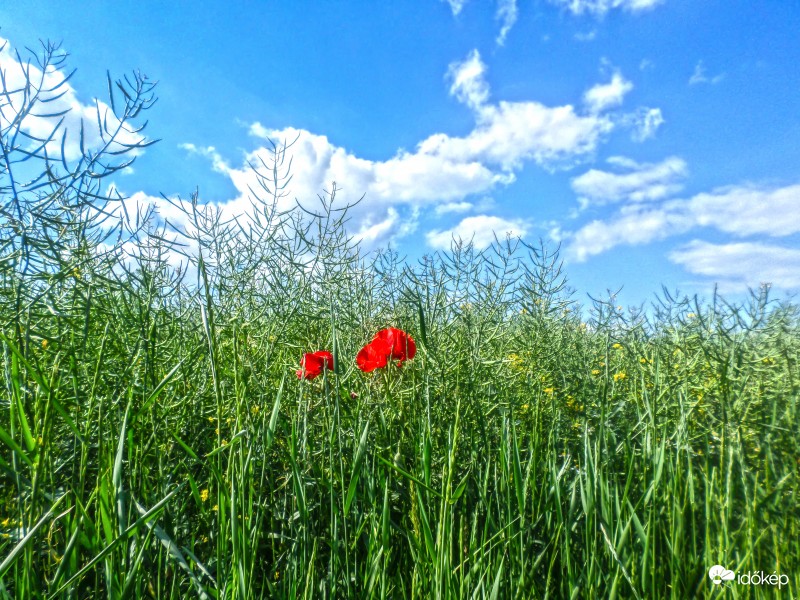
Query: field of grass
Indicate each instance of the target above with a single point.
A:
(155, 441)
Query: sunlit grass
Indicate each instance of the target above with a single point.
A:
(155, 440)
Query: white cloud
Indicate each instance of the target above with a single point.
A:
(480, 229)
(468, 83)
(456, 5)
(601, 7)
(507, 13)
(739, 210)
(441, 174)
(699, 75)
(638, 182)
(741, 265)
(607, 95)
(62, 98)
(645, 122)
(453, 207)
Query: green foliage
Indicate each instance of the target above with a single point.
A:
(154, 441)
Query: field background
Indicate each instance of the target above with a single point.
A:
(156, 442)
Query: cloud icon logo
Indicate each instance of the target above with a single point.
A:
(718, 574)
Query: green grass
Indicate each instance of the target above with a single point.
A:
(156, 433)
(156, 443)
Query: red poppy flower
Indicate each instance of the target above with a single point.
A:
(373, 356)
(391, 343)
(402, 345)
(313, 363)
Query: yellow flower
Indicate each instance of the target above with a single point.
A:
(619, 376)
(549, 390)
(255, 409)
(691, 315)
(216, 508)
(76, 273)
(643, 360)
(272, 338)
(617, 346)
(524, 407)
(217, 430)
(6, 521)
(44, 344)
(224, 442)
(595, 371)
(210, 419)
(516, 361)
(204, 495)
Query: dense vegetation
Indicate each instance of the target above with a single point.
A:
(156, 442)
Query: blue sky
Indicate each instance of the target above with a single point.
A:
(655, 140)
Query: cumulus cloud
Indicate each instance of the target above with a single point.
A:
(441, 174)
(742, 211)
(607, 95)
(741, 265)
(61, 99)
(480, 229)
(601, 7)
(637, 182)
(507, 14)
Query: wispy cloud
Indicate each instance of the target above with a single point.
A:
(742, 211)
(607, 95)
(601, 7)
(644, 123)
(507, 15)
(633, 182)
(480, 229)
(699, 75)
(740, 265)
(456, 5)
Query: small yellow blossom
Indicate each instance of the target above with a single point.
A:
(45, 344)
(595, 371)
(255, 409)
(6, 522)
(211, 419)
(617, 346)
(691, 315)
(549, 390)
(524, 407)
(272, 338)
(229, 420)
(224, 443)
(76, 273)
(768, 361)
(216, 508)
(216, 431)
(619, 376)
(643, 360)
(204, 495)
